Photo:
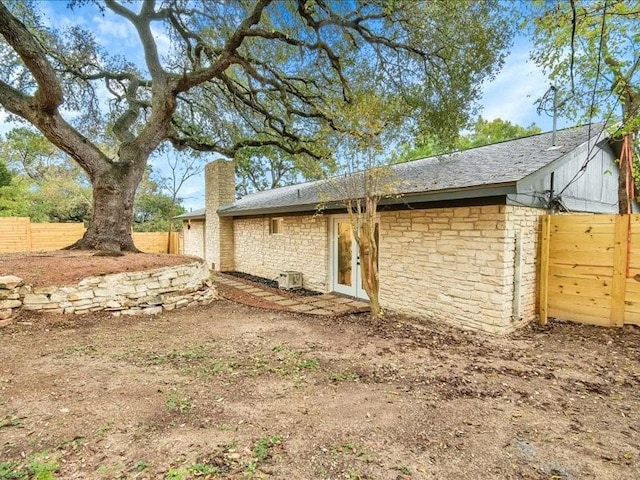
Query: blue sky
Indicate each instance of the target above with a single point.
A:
(510, 96)
(513, 93)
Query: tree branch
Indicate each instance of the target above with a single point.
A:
(49, 96)
(225, 58)
(142, 24)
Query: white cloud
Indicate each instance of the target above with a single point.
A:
(193, 193)
(162, 41)
(512, 95)
(4, 125)
(116, 33)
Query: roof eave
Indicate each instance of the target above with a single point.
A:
(190, 216)
(493, 190)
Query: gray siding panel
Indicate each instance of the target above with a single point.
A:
(593, 190)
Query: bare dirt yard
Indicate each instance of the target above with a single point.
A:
(232, 391)
(67, 267)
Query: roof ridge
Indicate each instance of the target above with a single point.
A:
(548, 132)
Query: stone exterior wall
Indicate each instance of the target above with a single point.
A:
(302, 246)
(128, 293)
(220, 190)
(526, 221)
(194, 238)
(457, 264)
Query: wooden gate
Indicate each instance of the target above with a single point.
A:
(590, 269)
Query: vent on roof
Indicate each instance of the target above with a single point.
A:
(290, 280)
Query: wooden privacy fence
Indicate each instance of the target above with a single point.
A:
(590, 269)
(18, 234)
(158, 242)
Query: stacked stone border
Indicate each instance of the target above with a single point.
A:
(129, 293)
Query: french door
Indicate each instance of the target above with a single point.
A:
(345, 262)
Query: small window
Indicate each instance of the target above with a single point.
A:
(275, 226)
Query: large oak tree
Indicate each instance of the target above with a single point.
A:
(240, 74)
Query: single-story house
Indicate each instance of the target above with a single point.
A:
(458, 243)
(193, 232)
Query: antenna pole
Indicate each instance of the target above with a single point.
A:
(555, 115)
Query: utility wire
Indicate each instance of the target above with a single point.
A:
(573, 44)
(590, 151)
(599, 64)
(580, 172)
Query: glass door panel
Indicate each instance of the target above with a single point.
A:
(344, 254)
(346, 276)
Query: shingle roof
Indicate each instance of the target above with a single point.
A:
(492, 165)
(200, 213)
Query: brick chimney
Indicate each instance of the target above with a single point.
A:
(220, 190)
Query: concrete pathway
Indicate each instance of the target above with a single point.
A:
(326, 304)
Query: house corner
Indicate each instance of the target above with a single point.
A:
(219, 191)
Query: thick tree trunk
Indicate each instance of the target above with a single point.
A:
(113, 196)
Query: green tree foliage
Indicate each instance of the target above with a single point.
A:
(61, 196)
(590, 51)
(265, 168)
(30, 153)
(14, 198)
(14, 193)
(589, 48)
(46, 186)
(5, 174)
(484, 132)
(237, 75)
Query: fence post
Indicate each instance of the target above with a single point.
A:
(619, 280)
(543, 283)
(29, 234)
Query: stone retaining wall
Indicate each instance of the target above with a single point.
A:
(129, 293)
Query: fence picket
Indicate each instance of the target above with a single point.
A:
(588, 272)
(18, 234)
(544, 270)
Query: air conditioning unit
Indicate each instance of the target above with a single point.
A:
(290, 280)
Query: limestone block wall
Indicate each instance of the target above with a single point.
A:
(450, 264)
(220, 191)
(302, 246)
(194, 238)
(128, 293)
(526, 221)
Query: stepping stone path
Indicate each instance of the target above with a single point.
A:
(327, 304)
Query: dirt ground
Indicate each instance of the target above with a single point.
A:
(68, 267)
(234, 391)
(231, 391)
